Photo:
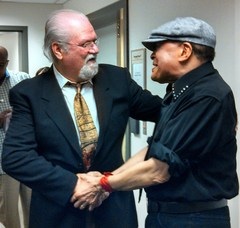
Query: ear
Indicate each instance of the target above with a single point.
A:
(186, 51)
(57, 50)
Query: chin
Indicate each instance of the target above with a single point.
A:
(157, 79)
(154, 78)
(88, 71)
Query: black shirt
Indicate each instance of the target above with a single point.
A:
(196, 136)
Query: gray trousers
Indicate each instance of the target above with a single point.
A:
(14, 202)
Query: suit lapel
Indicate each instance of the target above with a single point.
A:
(57, 110)
(103, 100)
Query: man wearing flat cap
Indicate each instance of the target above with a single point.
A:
(189, 168)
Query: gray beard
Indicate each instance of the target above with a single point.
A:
(88, 71)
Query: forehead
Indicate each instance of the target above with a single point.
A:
(78, 25)
(167, 45)
(3, 57)
(82, 32)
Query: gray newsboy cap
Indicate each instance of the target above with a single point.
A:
(182, 29)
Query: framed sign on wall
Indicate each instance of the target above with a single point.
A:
(138, 66)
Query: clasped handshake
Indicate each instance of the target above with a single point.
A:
(91, 190)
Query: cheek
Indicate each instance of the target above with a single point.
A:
(166, 61)
(162, 57)
(2, 71)
(77, 61)
(77, 55)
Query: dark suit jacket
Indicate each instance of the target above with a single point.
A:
(41, 148)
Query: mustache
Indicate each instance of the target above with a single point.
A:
(91, 57)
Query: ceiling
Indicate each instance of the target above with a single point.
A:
(37, 1)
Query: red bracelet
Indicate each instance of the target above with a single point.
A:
(105, 184)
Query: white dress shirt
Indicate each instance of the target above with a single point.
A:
(69, 93)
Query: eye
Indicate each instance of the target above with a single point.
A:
(90, 44)
(87, 45)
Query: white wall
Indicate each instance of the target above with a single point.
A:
(34, 16)
(89, 6)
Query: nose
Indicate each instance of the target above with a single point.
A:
(94, 49)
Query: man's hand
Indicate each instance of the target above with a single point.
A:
(88, 192)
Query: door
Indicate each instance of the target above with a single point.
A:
(14, 39)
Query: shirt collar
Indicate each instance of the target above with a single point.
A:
(7, 74)
(62, 81)
(187, 80)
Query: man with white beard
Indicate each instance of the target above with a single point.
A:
(42, 148)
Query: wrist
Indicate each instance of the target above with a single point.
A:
(104, 183)
(107, 174)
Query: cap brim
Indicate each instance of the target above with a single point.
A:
(151, 43)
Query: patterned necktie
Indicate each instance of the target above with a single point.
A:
(86, 127)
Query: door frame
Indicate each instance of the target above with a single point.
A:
(117, 13)
(23, 44)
